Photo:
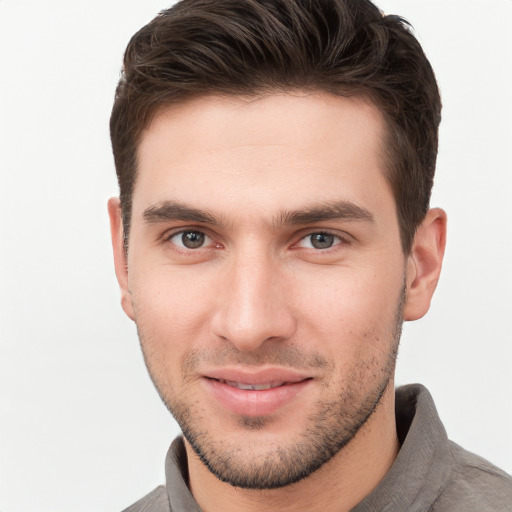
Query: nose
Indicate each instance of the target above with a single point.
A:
(254, 306)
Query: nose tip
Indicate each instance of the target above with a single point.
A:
(245, 341)
(254, 307)
(248, 334)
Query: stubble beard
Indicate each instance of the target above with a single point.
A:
(328, 429)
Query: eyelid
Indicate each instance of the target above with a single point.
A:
(170, 232)
(206, 240)
(343, 239)
(167, 236)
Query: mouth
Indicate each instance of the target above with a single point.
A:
(252, 387)
(259, 393)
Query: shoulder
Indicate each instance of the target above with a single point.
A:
(475, 483)
(155, 501)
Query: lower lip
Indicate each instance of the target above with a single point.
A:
(254, 402)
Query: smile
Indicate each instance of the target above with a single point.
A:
(252, 387)
(255, 394)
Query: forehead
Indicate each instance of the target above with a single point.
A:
(264, 152)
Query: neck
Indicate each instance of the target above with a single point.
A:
(338, 485)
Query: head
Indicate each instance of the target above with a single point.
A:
(275, 161)
(253, 48)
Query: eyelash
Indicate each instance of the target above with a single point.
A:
(338, 240)
(167, 238)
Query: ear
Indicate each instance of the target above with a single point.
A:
(120, 263)
(424, 263)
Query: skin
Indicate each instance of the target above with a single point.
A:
(259, 177)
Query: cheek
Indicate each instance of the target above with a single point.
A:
(352, 313)
(171, 309)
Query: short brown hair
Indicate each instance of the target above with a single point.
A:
(248, 47)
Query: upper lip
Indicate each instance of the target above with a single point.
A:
(256, 377)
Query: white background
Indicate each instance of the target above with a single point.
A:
(81, 428)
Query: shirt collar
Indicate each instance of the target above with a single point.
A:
(423, 465)
(413, 483)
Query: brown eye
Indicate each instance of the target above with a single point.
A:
(189, 239)
(192, 239)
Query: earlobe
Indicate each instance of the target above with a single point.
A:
(120, 263)
(424, 264)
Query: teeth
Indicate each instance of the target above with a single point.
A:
(252, 387)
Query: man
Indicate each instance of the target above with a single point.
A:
(275, 162)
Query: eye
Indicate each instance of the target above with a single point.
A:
(320, 241)
(190, 239)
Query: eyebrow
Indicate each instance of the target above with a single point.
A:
(172, 210)
(166, 211)
(338, 210)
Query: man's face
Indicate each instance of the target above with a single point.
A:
(266, 277)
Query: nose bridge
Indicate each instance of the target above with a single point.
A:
(254, 306)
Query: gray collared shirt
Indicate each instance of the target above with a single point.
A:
(430, 474)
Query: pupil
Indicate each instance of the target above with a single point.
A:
(192, 239)
(322, 240)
